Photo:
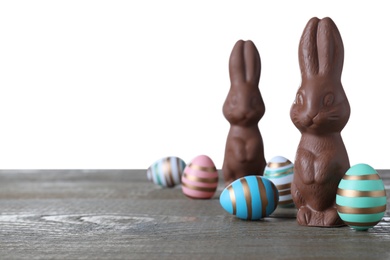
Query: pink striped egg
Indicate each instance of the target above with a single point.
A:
(200, 178)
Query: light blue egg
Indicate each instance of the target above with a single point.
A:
(250, 198)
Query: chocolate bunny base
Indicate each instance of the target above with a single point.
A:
(314, 186)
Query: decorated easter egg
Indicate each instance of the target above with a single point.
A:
(280, 171)
(200, 178)
(250, 198)
(361, 197)
(166, 172)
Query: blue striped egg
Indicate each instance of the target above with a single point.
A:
(166, 172)
(250, 198)
(361, 197)
(280, 171)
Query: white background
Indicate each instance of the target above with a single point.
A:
(120, 84)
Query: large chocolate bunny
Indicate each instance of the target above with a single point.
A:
(320, 112)
(243, 109)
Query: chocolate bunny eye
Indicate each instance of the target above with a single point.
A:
(298, 99)
(328, 100)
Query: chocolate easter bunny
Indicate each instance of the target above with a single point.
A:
(243, 109)
(320, 112)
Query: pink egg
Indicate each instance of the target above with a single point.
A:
(200, 178)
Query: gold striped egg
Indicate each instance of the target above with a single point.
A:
(361, 197)
(250, 198)
(166, 172)
(280, 171)
(200, 178)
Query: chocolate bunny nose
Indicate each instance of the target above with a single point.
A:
(307, 120)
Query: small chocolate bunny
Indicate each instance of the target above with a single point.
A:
(243, 109)
(320, 112)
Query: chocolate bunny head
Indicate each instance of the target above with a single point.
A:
(244, 105)
(320, 106)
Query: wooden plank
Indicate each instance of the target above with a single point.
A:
(119, 214)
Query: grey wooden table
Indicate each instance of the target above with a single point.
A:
(119, 214)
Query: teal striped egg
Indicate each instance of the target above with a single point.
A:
(166, 172)
(250, 198)
(361, 197)
(280, 171)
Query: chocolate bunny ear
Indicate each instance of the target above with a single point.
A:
(244, 63)
(321, 50)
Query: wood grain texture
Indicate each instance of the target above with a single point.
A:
(119, 214)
